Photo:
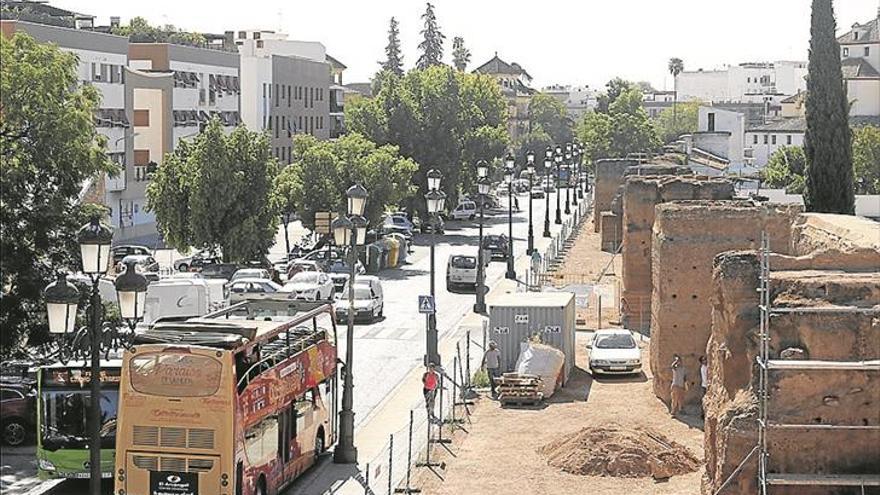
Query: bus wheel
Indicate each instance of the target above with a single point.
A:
(261, 487)
(319, 444)
(14, 432)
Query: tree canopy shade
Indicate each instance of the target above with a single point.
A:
(323, 170)
(432, 42)
(678, 120)
(49, 149)
(440, 118)
(216, 191)
(550, 115)
(828, 140)
(461, 56)
(393, 56)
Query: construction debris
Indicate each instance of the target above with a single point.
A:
(520, 389)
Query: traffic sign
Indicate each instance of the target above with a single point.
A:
(426, 305)
(322, 222)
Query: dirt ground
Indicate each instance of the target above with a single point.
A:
(501, 452)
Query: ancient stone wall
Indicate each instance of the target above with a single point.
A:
(609, 176)
(640, 196)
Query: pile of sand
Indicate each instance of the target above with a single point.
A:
(620, 452)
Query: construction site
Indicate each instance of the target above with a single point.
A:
(783, 305)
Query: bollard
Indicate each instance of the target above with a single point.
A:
(367, 481)
(390, 461)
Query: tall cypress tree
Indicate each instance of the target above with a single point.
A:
(432, 45)
(461, 56)
(828, 141)
(393, 57)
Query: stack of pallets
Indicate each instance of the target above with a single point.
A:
(517, 389)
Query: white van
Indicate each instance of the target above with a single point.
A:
(182, 297)
(369, 300)
(466, 210)
(461, 271)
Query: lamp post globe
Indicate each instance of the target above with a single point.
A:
(341, 227)
(62, 299)
(558, 160)
(357, 199)
(94, 239)
(131, 292)
(482, 169)
(434, 176)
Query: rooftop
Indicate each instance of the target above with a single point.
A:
(868, 32)
(857, 68)
(497, 66)
(782, 125)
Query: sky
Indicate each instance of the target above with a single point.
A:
(576, 42)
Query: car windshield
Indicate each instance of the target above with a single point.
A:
(615, 341)
(464, 262)
(65, 418)
(360, 293)
(305, 278)
(339, 267)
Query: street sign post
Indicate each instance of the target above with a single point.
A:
(322, 222)
(426, 305)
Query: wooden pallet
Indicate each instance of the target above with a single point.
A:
(519, 389)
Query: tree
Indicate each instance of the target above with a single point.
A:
(866, 159)
(393, 57)
(613, 89)
(331, 167)
(622, 130)
(671, 126)
(785, 169)
(432, 44)
(461, 56)
(646, 87)
(551, 116)
(287, 188)
(217, 192)
(676, 66)
(139, 30)
(828, 139)
(48, 149)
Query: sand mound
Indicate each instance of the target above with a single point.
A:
(620, 452)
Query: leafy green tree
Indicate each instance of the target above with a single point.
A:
(393, 56)
(671, 124)
(676, 67)
(461, 56)
(329, 168)
(432, 43)
(866, 159)
(48, 149)
(613, 89)
(594, 134)
(785, 169)
(550, 114)
(217, 192)
(622, 130)
(646, 87)
(828, 140)
(139, 30)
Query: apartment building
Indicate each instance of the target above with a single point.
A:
(860, 62)
(746, 82)
(514, 82)
(578, 100)
(657, 101)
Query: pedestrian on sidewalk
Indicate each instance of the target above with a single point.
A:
(492, 364)
(704, 384)
(430, 381)
(678, 385)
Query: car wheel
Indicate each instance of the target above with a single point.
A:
(382, 310)
(319, 444)
(14, 432)
(183, 267)
(472, 217)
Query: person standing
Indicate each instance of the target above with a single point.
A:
(678, 385)
(704, 383)
(430, 380)
(492, 363)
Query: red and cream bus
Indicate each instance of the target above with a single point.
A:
(238, 402)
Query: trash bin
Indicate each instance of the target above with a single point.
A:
(402, 251)
(374, 258)
(393, 251)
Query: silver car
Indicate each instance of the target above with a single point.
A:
(310, 286)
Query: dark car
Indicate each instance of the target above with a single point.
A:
(219, 270)
(427, 225)
(340, 270)
(17, 412)
(496, 245)
(121, 251)
(197, 261)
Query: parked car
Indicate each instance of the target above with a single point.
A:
(251, 288)
(461, 271)
(123, 250)
(427, 226)
(466, 210)
(299, 266)
(310, 286)
(496, 246)
(538, 192)
(369, 300)
(197, 261)
(397, 224)
(322, 256)
(614, 351)
(250, 273)
(145, 264)
(339, 271)
(17, 412)
(219, 270)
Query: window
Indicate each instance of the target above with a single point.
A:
(748, 79)
(9, 394)
(276, 126)
(867, 51)
(300, 126)
(264, 91)
(855, 35)
(256, 35)
(755, 141)
(711, 117)
(288, 96)
(276, 95)
(172, 374)
(259, 43)
(261, 440)
(766, 138)
(788, 139)
(773, 139)
(846, 52)
(242, 35)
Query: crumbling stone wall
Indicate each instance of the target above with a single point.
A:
(847, 328)
(609, 176)
(640, 196)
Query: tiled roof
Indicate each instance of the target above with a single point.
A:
(870, 32)
(497, 66)
(334, 62)
(854, 68)
(781, 125)
(793, 98)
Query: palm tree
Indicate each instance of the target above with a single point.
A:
(676, 66)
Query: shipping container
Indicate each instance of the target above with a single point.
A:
(517, 317)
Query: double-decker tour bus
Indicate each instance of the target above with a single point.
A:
(238, 402)
(63, 403)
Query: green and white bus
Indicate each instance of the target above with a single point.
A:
(62, 418)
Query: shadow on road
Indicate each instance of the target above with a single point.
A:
(324, 477)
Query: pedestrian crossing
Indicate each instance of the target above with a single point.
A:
(389, 332)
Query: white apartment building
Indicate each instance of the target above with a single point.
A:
(764, 140)
(578, 100)
(717, 146)
(746, 82)
(860, 62)
(657, 101)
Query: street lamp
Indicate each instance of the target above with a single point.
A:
(483, 190)
(435, 200)
(568, 168)
(578, 159)
(548, 163)
(530, 167)
(62, 299)
(350, 232)
(558, 159)
(508, 177)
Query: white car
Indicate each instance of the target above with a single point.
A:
(466, 210)
(369, 300)
(614, 351)
(310, 286)
(250, 273)
(461, 270)
(251, 288)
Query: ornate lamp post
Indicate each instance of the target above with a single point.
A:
(548, 164)
(558, 159)
(508, 178)
(62, 299)
(483, 189)
(575, 169)
(435, 200)
(578, 157)
(349, 232)
(568, 168)
(530, 164)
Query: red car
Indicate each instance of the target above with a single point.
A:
(17, 413)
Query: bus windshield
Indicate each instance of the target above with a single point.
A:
(172, 374)
(65, 419)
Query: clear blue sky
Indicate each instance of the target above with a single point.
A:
(557, 41)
